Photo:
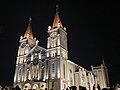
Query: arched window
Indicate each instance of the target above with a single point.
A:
(64, 70)
(27, 73)
(71, 81)
(53, 68)
(43, 71)
(19, 75)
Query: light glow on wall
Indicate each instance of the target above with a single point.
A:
(58, 74)
(25, 78)
(47, 53)
(24, 59)
(15, 77)
(32, 58)
(18, 78)
(58, 40)
(17, 60)
(38, 73)
(47, 76)
(49, 28)
(59, 24)
(52, 77)
(39, 56)
(19, 51)
(58, 51)
(48, 44)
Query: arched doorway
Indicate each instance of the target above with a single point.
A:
(27, 86)
(35, 87)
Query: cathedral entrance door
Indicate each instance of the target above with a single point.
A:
(27, 86)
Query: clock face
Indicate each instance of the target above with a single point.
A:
(53, 35)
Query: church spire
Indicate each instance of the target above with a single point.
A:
(28, 32)
(57, 21)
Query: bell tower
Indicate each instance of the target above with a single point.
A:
(30, 72)
(57, 53)
(57, 38)
(26, 44)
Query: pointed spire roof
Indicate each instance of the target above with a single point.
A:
(56, 19)
(28, 32)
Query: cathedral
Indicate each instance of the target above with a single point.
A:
(39, 68)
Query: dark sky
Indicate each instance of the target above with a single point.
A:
(93, 28)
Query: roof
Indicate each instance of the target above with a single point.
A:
(57, 20)
(28, 32)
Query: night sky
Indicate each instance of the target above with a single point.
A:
(93, 29)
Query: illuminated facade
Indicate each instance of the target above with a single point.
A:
(101, 71)
(39, 68)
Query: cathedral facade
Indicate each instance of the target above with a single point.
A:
(38, 68)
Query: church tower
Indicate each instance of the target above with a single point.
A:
(57, 54)
(102, 74)
(30, 72)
